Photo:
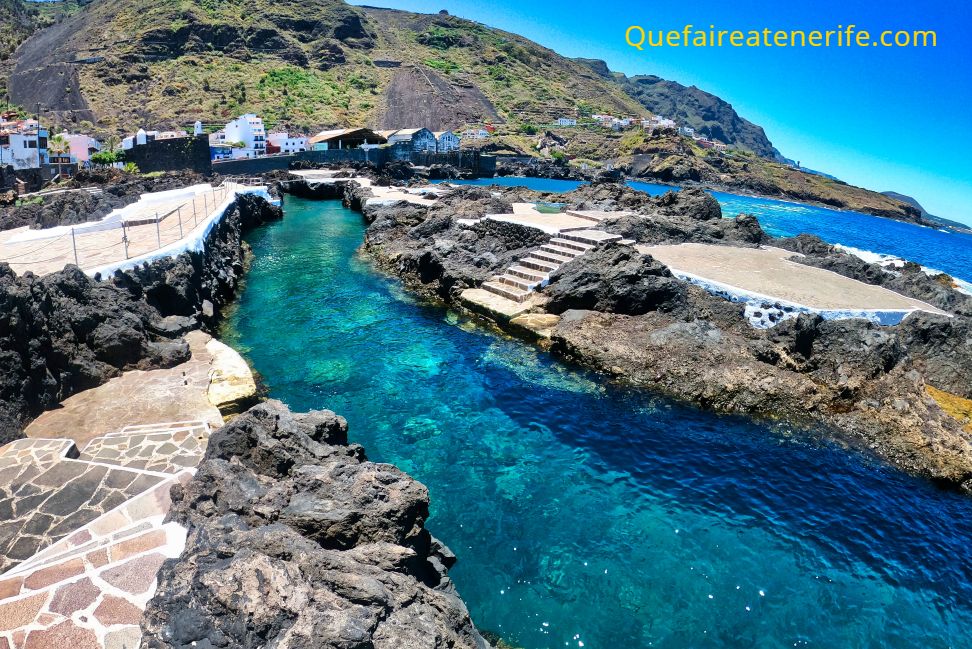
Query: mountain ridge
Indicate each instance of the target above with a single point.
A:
(710, 115)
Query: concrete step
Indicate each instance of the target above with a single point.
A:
(590, 237)
(164, 426)
(526, 273)
(507, 291)
(546, 255)
(541, 265)
(595, 216)
(570, 244)
(563, 251)
(518, 282)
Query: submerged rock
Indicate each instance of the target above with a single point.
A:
(296, 540)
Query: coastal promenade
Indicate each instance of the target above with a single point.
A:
(157, 225)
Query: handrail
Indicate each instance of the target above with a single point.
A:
(191, 214)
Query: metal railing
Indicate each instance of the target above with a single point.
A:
(149, 229)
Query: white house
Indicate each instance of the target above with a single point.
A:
(287, 144)
(170, 135)
(23, 144)
(247, 129)
(475, 134)
(687, 131)
(446, 141)
(566, 121)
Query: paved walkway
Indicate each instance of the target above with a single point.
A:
(84, 497)
(154, 222)
(769, 273)
(176, 394)
(380, 194)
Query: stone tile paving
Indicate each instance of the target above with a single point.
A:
(39, 507)
(165, 452)
(41, 453)
(96, 601)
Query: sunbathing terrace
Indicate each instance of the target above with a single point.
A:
(769, 274)
(158, 225)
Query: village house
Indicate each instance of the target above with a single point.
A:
(566, 121)
(23, 144)
(705, 143)
(247, 130)
(419, 139)
(284, 143)
(446, 141)
(81, 147)
(687, 131)
(475, 134)
(656, 122)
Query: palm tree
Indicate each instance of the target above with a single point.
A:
(58, 145)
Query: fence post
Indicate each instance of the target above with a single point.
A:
(195, 219)
(125, 239)
(205, 206)
(180, 221)
(74, 247)
(158, 230)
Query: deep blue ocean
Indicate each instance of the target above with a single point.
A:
(945, 251)
(584, 515)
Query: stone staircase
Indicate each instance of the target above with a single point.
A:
(534, 270)
(95, 537)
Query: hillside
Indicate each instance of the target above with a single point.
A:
(707, 114)
(113, 66)
(935, 220)
(308, 64)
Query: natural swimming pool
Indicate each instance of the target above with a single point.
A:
(587, 514)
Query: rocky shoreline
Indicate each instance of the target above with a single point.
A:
(296, 539)
(65, 332)
(624, 316)
(555, 171)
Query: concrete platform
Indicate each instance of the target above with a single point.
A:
(549, 223)
(768, 273)
(176, 394)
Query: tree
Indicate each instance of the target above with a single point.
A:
(58, 145)
(107, 158)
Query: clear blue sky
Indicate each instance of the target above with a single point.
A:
(882, 118)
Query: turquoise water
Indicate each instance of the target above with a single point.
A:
(944, 251)
(587, 514)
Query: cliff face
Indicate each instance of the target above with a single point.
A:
(297, 540)
(65, 332)
(709, 115)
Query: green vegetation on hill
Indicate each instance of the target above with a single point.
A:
(313, 64)
(306, 65)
